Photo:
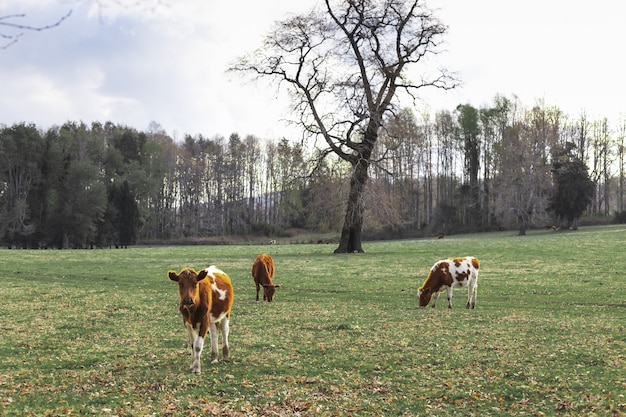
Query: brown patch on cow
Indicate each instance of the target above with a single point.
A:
(445, 278)
(475, 263)
(463, 276)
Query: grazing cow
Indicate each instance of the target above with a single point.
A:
(206, 298)
(262, 273)
(448, 274)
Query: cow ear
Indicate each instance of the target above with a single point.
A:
(276, 286)
(173, 275)
(202, 275)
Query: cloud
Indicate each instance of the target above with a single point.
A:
(561, 51)
(137, 61)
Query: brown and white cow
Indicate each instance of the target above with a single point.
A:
(262, 274)
(206, 298)
(448, 274)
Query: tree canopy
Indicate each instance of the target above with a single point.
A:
(103, 185)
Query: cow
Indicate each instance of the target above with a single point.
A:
(262, 274)
(206, 298)
(448, 274)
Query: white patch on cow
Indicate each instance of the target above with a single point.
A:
(212, 270)
(222, 293)
(218, 318)
(465, 267)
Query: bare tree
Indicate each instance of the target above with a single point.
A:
(523, 182)
(346, 65)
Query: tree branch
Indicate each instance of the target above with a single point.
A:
(12, 39)
(343, 64)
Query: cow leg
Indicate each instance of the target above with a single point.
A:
(197, 351)
(449, 292)
(225, 330)
(475, 292)
(192, 334)
(197, 343)
(435, 296)
(471, 295)
(213, 333)
(258, 287)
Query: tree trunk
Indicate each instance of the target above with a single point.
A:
(350, 241)
(524, 219)
(522, 229)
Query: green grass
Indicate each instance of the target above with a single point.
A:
(98, 332)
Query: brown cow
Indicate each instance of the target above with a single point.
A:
(206, 298)
(448, 274)
(262, 273)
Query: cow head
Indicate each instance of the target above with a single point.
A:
(188, 285)
(268, 291)
(424, 295)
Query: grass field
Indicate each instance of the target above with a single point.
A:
(98, 332)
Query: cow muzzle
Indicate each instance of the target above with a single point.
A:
(188, 302)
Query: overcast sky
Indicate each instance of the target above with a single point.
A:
(165, 61)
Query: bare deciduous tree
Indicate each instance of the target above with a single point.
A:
(346, 65)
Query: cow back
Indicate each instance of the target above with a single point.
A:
(223, 295)
(263, 269)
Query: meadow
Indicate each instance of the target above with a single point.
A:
(97, 332)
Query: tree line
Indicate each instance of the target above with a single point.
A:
(501, 166)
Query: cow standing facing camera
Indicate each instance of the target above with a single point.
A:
(206, 298)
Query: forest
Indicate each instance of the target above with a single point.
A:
(504, 166)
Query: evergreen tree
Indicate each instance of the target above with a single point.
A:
(573, 190)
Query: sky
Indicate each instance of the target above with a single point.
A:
(135, 62)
